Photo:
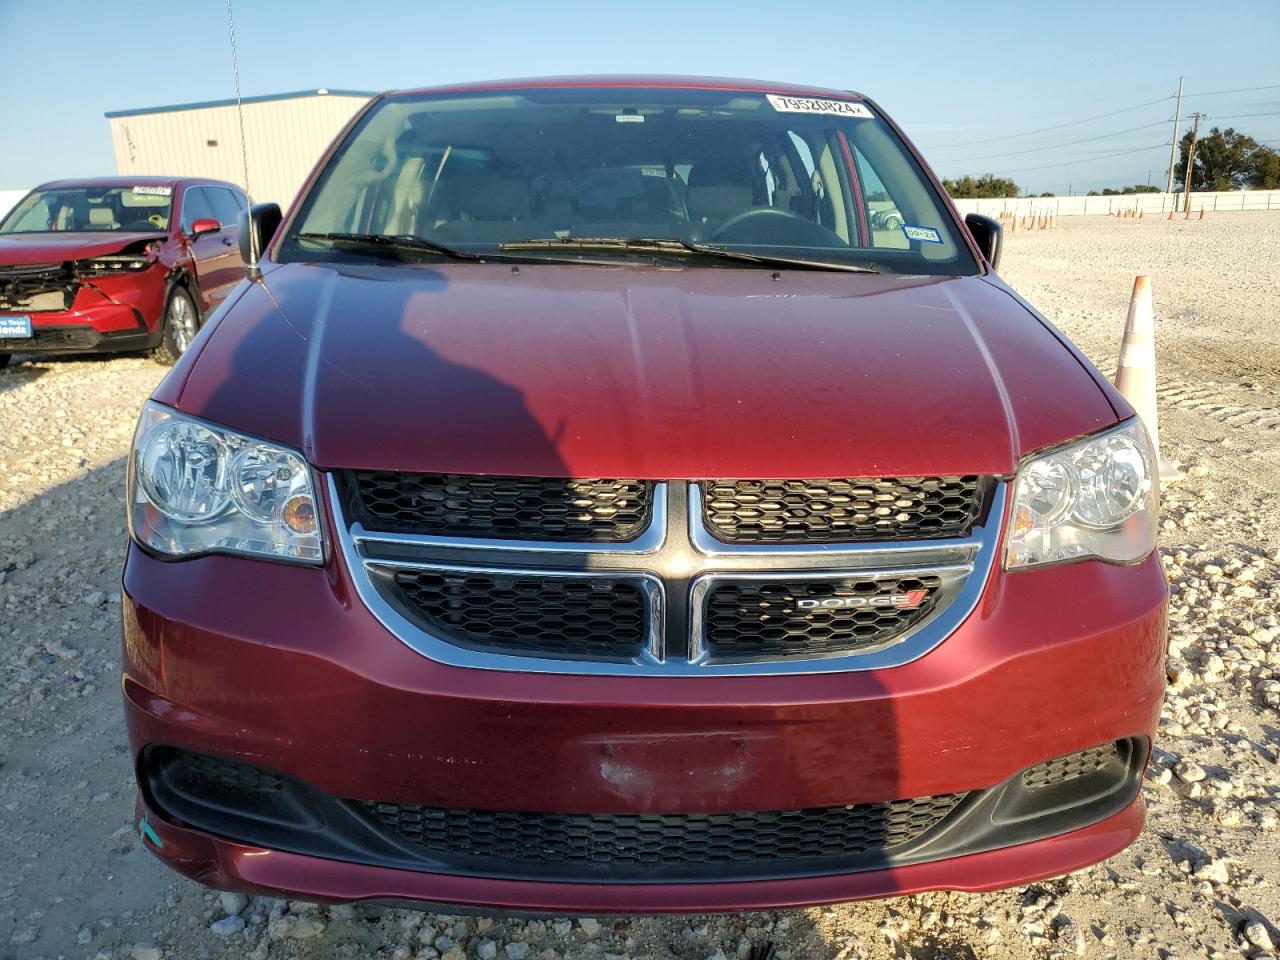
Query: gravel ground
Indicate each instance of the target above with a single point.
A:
(74, 881)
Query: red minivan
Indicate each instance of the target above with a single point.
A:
(589, 505)
(111, 264)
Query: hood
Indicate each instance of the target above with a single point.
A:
(58, 246)
(639, 372)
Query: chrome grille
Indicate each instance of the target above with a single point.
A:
(674, 600)
(517, 508)
(826, 511)
(588, 617)
(801, 617)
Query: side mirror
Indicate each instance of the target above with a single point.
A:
(989, 236)
(257, 226)
(205, 225)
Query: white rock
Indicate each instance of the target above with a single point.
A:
(227, 926)
(141, 952)
(589, 926)
(1256, 933)
(1215, 871)
(1189, 771)
(486, 950)
(232, 903)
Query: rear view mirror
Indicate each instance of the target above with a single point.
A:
(257, 226)
(988, 235)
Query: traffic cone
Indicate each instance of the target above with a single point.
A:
(1202, 213)
(1136, 372)
(1170, 214)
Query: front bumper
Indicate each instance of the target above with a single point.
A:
(297, 676)
(110, 314)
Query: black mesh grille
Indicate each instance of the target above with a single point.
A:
(201, 771)
(20, 285)
(1070, 767)
(798, 618)
(519, 508)
(589, 617)
(676, 840)
(820, 511)
(57, 339)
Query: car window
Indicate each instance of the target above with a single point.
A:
(195, 206)
(142, 208)
(751, 172)
(226, 205)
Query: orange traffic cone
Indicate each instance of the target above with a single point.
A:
(1136, 372)
(1202, 213)
(1170, 214)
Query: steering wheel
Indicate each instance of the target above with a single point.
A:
(757, 213)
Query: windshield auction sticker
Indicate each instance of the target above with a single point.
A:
(842, 108)
(922, 234)
(153, 191)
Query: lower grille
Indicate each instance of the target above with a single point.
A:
(276, 811)
(581, 617)
(57, 339)
(777, 619)
(627, 840)
(1071, 767)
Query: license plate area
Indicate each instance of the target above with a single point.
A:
(15, 328)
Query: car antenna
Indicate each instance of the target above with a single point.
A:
(251, 268)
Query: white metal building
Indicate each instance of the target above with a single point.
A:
(285, 135)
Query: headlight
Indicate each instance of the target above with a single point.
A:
(1094, 498)
(105, 266)
(198, 488)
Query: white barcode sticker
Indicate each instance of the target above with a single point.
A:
(841, 108)
(153, 191)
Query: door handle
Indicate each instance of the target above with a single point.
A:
(228, 242)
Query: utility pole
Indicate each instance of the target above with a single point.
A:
(1173, 149)
(1191, 165)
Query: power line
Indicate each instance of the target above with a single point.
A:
(1069, 143)
(1218, 93)
(1102, 156)
(1059, 126)
(1242, 116)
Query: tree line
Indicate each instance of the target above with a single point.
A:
(1224, 160)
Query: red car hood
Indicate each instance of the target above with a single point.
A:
(55, 247)
(639, 372)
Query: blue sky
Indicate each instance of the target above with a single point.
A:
(955, 76)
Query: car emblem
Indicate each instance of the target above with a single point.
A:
(909, 600)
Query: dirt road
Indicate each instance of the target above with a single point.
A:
(1201, 882)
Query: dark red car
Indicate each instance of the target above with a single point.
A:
(124, 263)
(587, 508)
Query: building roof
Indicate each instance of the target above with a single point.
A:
(294, 95)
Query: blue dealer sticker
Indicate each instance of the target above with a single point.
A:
(923, 234)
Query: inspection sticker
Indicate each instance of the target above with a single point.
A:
(843, 108)
(153, 191)
(923, 234)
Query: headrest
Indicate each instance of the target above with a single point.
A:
(101, 217)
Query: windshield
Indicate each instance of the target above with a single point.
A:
(90, 209)
(762, 174)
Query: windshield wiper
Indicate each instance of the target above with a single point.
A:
(663, 246)
(396, 245)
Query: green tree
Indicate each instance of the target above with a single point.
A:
(987, 185)
(1228, 160)
(1121, 191)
